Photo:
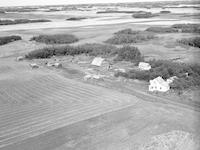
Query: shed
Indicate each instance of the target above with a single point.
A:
(34, 65)
(97, 61)
(58, 65)
(144, 66)
(20, 58)
(158, 84)
(171, 79)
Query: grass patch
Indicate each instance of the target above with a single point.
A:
(195, 42)
(55, 39)
(144, 15)
(22, 21)
(128, 36)
(168, 69)
(8, 39)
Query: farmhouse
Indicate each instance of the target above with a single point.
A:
(144, 66)
(158, 84)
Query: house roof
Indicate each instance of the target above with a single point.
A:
(161, 81)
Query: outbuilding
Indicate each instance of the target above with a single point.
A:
(144, 66)
(20, 58)
(97, 61)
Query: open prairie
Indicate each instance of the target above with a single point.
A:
(49, 108)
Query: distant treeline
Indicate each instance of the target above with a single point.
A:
(22, 21)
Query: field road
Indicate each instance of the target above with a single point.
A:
(36, 101)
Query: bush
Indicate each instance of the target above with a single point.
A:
(55, 39)
(127, 31)
(76, 18)
(184, 28)
(165, 12)
(167, 69)
(116, 11)
(129, 53)
(187, 28)
(129, 36)
(144, 15)
(8, 39)
(195, 42)
(90, 49)
(162, 29)
(21, 21)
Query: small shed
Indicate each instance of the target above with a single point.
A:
(58, 65)
(144, 66)
(171, 79)
(34, 65)
(158, 84)
(97, 61)
(20, 58)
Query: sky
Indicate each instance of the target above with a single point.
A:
(58, 2)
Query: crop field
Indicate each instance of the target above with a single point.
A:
(41, 102)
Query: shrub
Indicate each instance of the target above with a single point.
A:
(127, 31)
(165, 12)
(187, 28)
(162, 29)
(195, 42)
(21, 21)
(144, 15)
(90, 49)
(116, 11)
(76, 18)
(55, 39)
(8, 39)
(100, 49)
(129, 36)
(129, 53)
(2, 12)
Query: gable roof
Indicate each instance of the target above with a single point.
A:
(161, 81)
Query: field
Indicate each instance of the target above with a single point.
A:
(49, 108)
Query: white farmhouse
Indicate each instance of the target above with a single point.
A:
(158, 84)
(144, 66)
(97, 61)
